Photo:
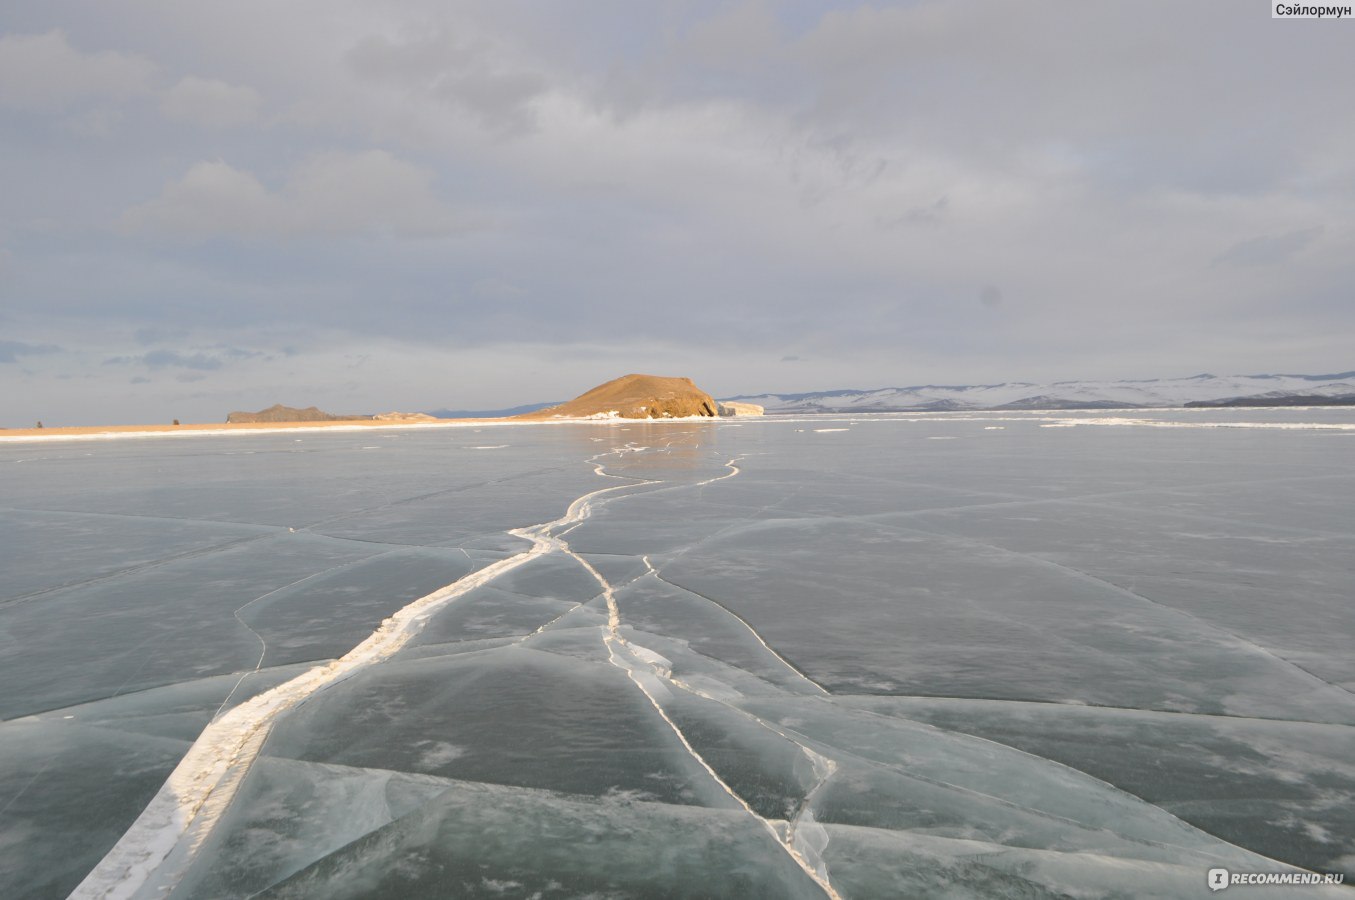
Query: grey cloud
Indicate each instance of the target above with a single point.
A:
(460, 72)
(162, 359)
(99, 122)
(931, 215)
(159, 359)
(10, 351)
(211, 198)
(418, 58)
(329, 194)
(211, 103)
(500, 100)
(159, 335)
(821, 167)
(44, 72)
(1270, 249)
(743, 35)
(1136, 102)
(497, 290)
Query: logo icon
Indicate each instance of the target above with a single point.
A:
(1218, 879)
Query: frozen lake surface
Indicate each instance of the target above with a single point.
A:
(974, 655)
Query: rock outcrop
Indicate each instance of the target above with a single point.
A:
(735, 408)
(279, 413)
(635, 397)
(403, 417)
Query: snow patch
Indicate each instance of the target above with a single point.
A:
(1158, 423)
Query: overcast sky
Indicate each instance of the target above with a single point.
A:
(379, 205)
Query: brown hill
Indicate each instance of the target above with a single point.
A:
(279, 413)
(635, 397)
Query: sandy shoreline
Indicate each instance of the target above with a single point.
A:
(205, 428)
(200, 429)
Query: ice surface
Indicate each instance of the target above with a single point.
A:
(94, 547)
(56, 821)
(160, 625)
(72, 780)
(514, 716)
(681, 659)
(484, 840)
(1278, 784)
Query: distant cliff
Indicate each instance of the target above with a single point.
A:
(635, 397)
(279, 413)
(735, 408)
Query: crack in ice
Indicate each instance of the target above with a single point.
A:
(164, 839)
(1203, 624)
(802, 840)
(642, 665)
(156, 851)
(263, 644)
(744, 622)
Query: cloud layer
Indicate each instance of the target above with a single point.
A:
(880, 194)
(43, 72)
(332, 194)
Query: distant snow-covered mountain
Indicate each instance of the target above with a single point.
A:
(1234, 390)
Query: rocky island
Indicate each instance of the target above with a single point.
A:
(634, 397)
(279, 413)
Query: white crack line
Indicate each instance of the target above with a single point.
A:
(154, 853)
(801, 841)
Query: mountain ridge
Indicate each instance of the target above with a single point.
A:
(1149, 393)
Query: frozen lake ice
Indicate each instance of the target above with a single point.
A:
(948, 655)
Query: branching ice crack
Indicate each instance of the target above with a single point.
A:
(164, 839)
(757, 637)
(802, 842)
(155, 853)
(263, 644)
